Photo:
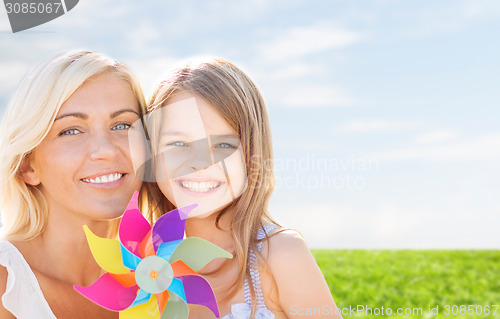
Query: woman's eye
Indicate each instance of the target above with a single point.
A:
(177, 143)
(224, 145)
(121, 127)
(71, 131)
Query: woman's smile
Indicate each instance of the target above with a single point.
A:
(105, 180)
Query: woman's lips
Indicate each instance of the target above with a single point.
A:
(105, 181)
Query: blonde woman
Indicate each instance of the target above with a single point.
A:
(210, 133)
(64, 163)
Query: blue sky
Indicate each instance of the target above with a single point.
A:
(384, 113)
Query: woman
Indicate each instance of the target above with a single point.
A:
(65, 163)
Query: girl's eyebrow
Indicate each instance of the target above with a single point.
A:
(172, 133)
(84, 116)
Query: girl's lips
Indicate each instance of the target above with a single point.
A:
(199, 187)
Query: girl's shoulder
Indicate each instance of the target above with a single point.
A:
(283, 243)
(295, 279)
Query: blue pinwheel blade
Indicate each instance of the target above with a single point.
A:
(142, 297)
(129, 259)
(165, 250)
(177, 287)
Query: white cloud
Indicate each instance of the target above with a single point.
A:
(390, 225)
(486, 147)
(459, 14)
(375, 125)
(436, 136)
(321, 225)
(299, 42)
(11, 75)
(152, 71)
(316, 96)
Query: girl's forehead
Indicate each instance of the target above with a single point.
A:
(193, 115)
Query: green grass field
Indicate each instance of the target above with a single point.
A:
(413, 279)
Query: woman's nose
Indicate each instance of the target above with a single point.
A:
(103, 147)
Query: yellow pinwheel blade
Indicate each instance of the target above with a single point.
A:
(148, 310)
(106, 252)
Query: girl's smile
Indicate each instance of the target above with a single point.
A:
(201, 158)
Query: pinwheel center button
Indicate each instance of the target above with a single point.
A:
(154, 274)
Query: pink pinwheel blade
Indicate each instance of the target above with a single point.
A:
(199, 292)
(133, 227)
(171, 226)
(109, 293)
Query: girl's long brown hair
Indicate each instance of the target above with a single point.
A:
(239, 102)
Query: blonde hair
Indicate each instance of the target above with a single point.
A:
(28, 119)
(239, 102)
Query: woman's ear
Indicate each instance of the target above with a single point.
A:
(27, 172)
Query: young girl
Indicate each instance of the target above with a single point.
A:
(210, 131)
(64, 163)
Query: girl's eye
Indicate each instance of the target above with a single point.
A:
(177, 143)
(121, 127)
(70, 131)
(224, 145)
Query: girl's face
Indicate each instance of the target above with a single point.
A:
(83, 165)
(201, 160)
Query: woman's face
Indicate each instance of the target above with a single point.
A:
(201, 160)
(83, 165)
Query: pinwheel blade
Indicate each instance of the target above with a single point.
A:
(142, 297)
(199, 292)
(108, 293)
(162, 299)
(197, 252)
(106, 252)
(146, 247)
(177, 288)
(170, 226)
(176, 308)
(181, 269)
(165, 250)
(133, 227)
(126, 280)
(148, 310)
(129, 260)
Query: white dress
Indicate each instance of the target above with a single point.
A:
(23, 296)
(244, 310)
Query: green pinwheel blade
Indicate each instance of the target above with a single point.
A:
(197, 252)
(176, 308)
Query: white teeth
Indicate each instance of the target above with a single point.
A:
(104, 178)
(200, 187)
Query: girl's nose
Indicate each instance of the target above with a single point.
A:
(200, 156)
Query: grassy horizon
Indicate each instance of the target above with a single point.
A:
(413, 279)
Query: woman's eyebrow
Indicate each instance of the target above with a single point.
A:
(115, 114)
(80, 115)
(84, 116)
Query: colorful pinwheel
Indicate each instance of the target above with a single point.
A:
(152, 271)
